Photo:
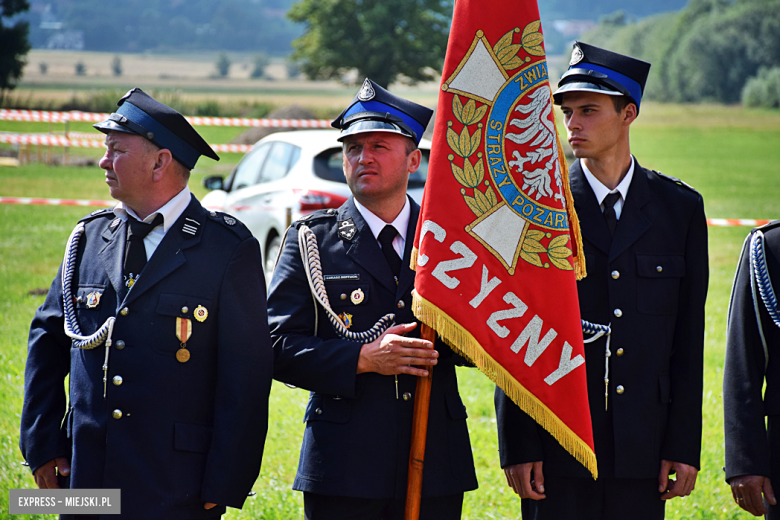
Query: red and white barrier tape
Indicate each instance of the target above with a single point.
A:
(61, 140)
(731, 222)
(718, 222)
(56, 202)
(93, 117)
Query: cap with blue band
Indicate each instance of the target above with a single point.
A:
(140, 114)
(374, 109)
(592, 69)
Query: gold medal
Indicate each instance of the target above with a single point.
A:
(93, 300)
(182, 355)
(201, 313)
(346, 319)
(183, 332)
(357, 296)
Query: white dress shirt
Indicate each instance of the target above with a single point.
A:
(400, 224)
(171, 212)
(602, 191)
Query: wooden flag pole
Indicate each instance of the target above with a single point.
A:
(422, 401)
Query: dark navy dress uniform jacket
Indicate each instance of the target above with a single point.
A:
(750, 448)
(190, 432)
(357, 437)
(655, 271)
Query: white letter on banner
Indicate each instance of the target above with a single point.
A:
(517, 310)
(438, 234)
(531, 334)
(485, 288)
(441, 270)
(566, 365)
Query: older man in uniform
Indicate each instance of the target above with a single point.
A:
(752, 420)
(356, 444)
(645, 241)
(159, 317)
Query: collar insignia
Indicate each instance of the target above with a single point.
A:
(347, 229)
(191, 227)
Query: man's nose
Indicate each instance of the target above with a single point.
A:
(104, 162)
(365, 156)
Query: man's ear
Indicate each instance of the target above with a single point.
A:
(413, 161)
(162, 163)
(630, 113)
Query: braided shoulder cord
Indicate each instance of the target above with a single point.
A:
(72, 329)
(758, 260)
(598, 331)
(310, 255)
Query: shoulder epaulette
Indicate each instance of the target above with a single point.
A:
(232, 223)
(676, 181)
(318, 215)
(105, 212)
(766, 227)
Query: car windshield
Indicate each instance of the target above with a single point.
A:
(328, 166)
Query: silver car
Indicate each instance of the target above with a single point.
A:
(286, 175)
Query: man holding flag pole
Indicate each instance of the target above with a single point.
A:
(645, 244)
(342, 279)
(498, 249)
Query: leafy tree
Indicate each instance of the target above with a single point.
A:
(116, 66)
(706, 52)
(259, 63)
(14, 45)
(763, 90)
(223, 65)
(382, 39)
(293, 69)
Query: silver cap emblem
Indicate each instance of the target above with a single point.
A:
(576, 55)
(367, 91)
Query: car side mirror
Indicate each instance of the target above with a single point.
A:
(213, 182)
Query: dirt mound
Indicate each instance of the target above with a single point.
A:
(254, 134)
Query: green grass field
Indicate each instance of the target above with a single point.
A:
(727, 153)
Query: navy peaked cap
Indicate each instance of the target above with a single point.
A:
(374, 109)
(140, 114)
(592, 69)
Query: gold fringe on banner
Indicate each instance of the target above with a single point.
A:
(460, 340)
(580, 269)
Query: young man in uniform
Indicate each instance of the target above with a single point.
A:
(362, 378)
(752, 419)
(645, 241)
(158, 316)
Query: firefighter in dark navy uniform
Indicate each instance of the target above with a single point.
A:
(645, 245)
(340, 273)
(752, 419)
(158, 316)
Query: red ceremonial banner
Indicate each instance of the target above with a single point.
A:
(498, 248)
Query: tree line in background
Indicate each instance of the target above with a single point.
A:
(707, 52)
(13, 44)
(165, 25)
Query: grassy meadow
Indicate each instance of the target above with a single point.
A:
(729, 154)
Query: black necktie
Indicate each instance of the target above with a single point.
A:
(609, 211)
(386, 238)
(135, 252)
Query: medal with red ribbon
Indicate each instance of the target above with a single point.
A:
(183, 332)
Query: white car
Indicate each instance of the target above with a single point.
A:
(284, 176)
